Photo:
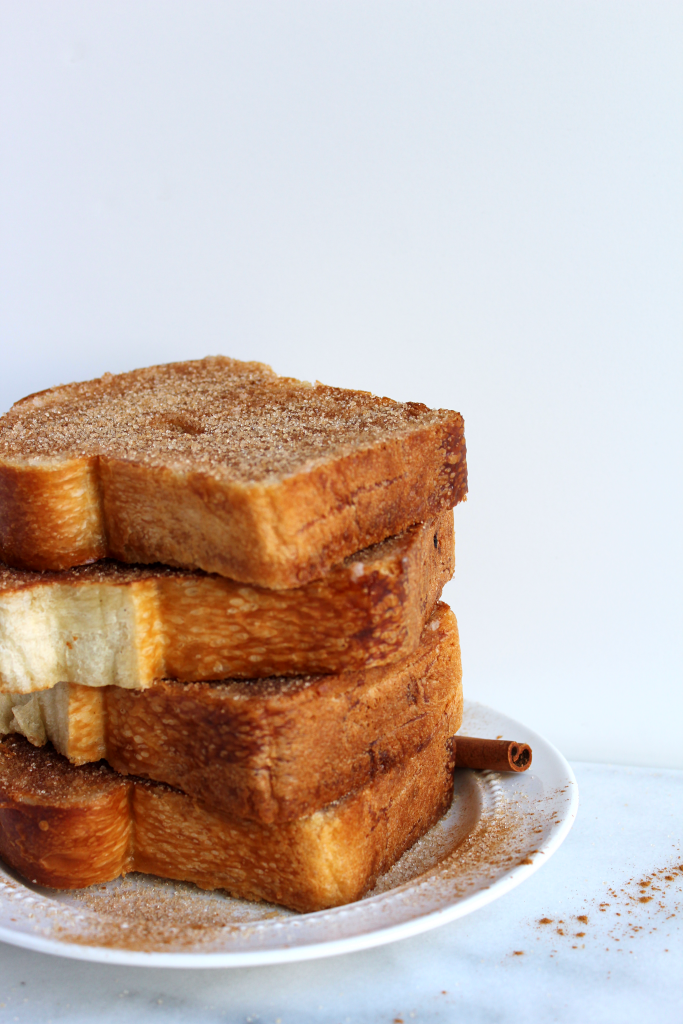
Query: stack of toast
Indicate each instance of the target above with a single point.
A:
(223, 655)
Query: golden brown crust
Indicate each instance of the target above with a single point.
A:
(219, 465)
(368, 611)
(59, 826)
(327, 859)
(51, 514)
(276, 749)
(268, 749)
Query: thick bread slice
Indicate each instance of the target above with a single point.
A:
(112, 624)
(270, 749)
(67, 827)
(219, 465)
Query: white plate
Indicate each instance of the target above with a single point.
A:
(500, 829)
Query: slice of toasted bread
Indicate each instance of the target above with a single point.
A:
(112, 624)
(269, 749)
(67, 827)
(219, 465)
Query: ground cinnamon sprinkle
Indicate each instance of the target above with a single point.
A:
(160, 916)
(485, 834)
(639, 905)
(490, 830)
(239, 418)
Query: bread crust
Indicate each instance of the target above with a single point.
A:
(112, 624)
(65, 827)
(219, 465)
(269, 750)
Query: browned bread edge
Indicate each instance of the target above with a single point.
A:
(110, 623)
(268, 749)
(278, 531)
(68, 827)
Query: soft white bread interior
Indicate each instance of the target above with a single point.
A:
(111, 624)
(266, 749)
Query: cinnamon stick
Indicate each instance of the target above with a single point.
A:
(491, 755)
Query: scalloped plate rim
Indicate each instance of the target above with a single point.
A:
(287, 953)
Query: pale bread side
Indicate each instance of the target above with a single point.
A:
(113, 624)
(265, 749)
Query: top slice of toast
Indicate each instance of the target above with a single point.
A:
(219, 465)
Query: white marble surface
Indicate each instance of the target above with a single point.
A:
(498, 965)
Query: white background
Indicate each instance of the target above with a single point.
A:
(475, 205)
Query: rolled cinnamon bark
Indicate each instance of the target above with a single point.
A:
(491, 755)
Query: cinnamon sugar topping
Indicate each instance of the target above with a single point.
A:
(216, 413)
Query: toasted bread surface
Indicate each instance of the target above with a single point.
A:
(69, 826)
(115, 624)
(114, 825)
(219, 465)
(270, 749)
